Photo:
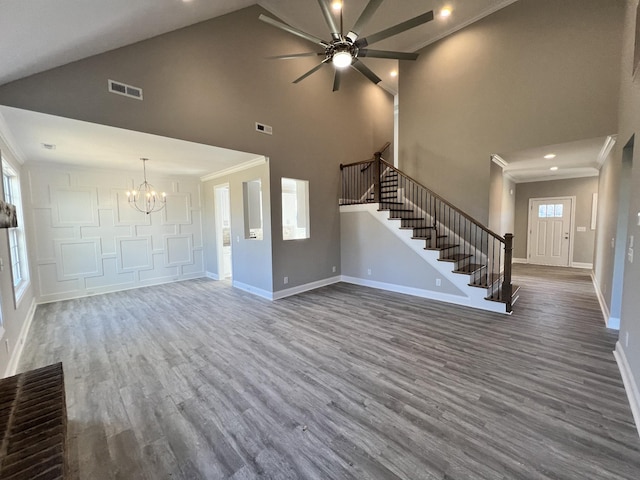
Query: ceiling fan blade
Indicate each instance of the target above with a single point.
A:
(364, 18)
(337, 79)
(390, 32)
(364, 70)
(312, 71)
(365, 52)
(293, 30)
(328, 17)
(295, 55)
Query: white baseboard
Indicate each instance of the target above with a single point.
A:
(519, 260)
(305, 288)
(609, 321)
(430, 294)
(588, 266)
(254, 290)
(212, 276)
(629, 383)
(12, 367)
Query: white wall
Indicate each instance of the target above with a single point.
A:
(86, 239)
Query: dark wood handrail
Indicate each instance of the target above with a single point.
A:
(461, 212)
(372, 159)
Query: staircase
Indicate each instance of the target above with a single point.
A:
(463, 244)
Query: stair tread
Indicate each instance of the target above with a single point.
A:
(444, 246)
(417, 228)
(497, 295)
(470, 268)
(456, 257)
(485, 281)
(413, 218)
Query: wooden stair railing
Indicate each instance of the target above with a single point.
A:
(473, 249)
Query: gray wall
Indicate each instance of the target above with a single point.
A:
(366, 244)
(251, 258)
(198, 91)
(629, 124)
(538, 72)
(583, 189)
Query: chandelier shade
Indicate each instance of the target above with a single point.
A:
(145, 199)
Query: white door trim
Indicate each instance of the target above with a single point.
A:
(572, 221)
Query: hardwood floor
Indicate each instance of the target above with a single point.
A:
(196, 380)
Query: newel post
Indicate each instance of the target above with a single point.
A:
(376, 172)
(508, 259)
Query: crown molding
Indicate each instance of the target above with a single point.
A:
(608, 145)
(7, 138)
(498, 160)
(236, 168)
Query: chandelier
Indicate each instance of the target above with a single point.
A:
(145, 199)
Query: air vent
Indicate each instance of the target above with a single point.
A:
(124, 89)
(262, 128)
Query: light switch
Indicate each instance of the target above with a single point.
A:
(630, 241)
(630, 255)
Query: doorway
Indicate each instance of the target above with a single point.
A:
(223, 231)
(550, 226)
(620, 251)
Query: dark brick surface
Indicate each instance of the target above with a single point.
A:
(33, 425)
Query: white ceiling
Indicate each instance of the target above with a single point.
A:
(574, 159)
(85, 144)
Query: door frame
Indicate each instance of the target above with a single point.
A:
(572, 221)
(222, 273)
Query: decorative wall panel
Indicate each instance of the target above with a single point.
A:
(87, 239)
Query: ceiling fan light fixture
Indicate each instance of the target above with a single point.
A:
(342, 59)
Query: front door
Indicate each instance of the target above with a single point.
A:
(550, 230)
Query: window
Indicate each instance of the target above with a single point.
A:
(17, 246)
(552, 210)
(295, 209)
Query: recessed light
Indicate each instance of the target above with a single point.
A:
(393, 73)
(337, 5)
(49, 146)
(445, 12)
(553, 169)
(550, 156)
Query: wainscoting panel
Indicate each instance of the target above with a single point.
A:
(87, 239)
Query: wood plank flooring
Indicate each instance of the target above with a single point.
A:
(197, 380)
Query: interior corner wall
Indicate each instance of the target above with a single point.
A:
(629, 123)
(581, 188)
(86, 238)
(251, 258)
(14, 317)
(195, 89)
(535, 73)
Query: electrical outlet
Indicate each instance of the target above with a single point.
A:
(286, 280)
(438, 282)
(368, 271)
(613, 242)
(333, 269)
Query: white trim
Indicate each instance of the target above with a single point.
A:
(582, 265)
(212, 276)
(254, 290)
(498, 160)
(608, 145)
(7, 138)
(116, 288)
(609, 321)
(305, 288)
(418, 292)
(236, 168)
(12, 366)
(519, 260)
(630, 385)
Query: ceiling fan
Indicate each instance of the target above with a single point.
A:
(346, 50)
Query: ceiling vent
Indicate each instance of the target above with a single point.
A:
(124, 89)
